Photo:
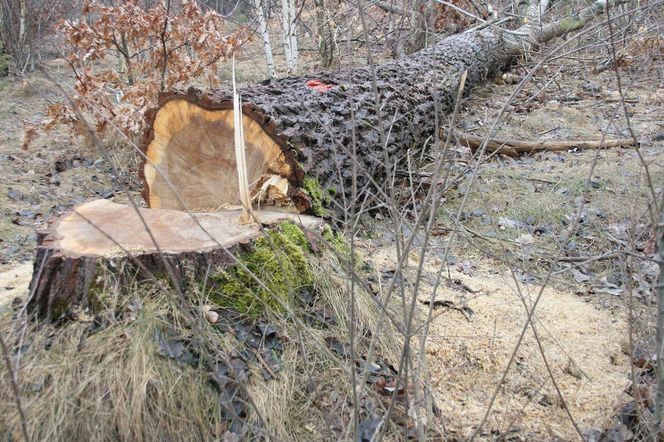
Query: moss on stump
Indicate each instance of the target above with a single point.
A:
(280, 260)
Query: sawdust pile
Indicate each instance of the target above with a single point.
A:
(468, 355)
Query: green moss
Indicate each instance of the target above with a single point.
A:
(97, 296)
(279, 260)
(294, 234)
(318, 198)
(58, 308)
(337, 241)
(5, 61)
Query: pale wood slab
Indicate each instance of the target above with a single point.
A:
(105, 235)
(80, 232)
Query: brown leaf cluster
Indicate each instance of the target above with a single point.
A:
(123, 55)
(449, 20)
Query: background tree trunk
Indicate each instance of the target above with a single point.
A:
(325, 41)
(286, 34)
(265, 35)
(23, 32)
(292, 31)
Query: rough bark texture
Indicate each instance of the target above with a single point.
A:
(314, 119)
(76, 251)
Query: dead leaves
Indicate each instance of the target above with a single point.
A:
(122, 56)
(466, 311)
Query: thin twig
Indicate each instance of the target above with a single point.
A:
(15, 388)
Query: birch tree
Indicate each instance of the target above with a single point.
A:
(292, 31)
(261, 16)
(288, 19)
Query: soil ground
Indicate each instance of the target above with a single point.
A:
(514, 220)
(515, 215)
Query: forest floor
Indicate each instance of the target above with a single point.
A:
(514, 221)
(515, 215)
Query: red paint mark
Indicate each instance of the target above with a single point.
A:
(319, 86)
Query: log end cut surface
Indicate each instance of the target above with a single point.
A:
(193, 148)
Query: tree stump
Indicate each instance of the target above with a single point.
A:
(104, 235)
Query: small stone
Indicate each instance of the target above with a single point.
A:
(526, 239)
(212, 316)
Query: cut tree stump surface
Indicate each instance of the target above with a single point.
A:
(174, 231)
(100, 234)
(195, 148)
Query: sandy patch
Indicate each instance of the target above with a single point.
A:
(14, 283)
(468, 357)
(468, 351)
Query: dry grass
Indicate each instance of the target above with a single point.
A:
(541, 198)
(312, 399)
(113, 383)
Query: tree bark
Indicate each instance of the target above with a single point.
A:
(292, 23)
(417, 38)
(658, 417)
(97, 237)
(23, 34)
(265, 34)
(325, 42)
(514, 148)
(301, 127)
(389, 7)
(285, 24)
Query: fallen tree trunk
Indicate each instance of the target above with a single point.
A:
(305, 126)
(305, 134)
(101, 236)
